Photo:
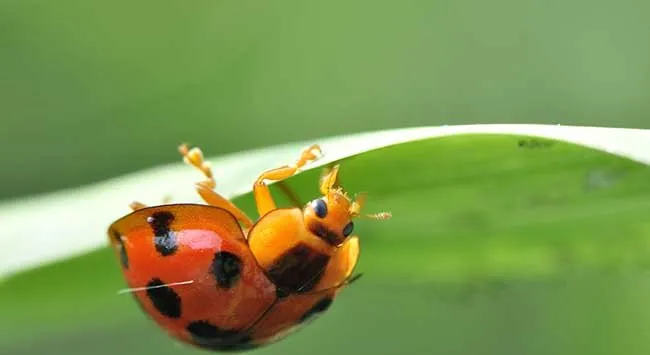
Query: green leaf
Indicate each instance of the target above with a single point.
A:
(504, 239)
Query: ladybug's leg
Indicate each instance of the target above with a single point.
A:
(336, 287)
(261, 191)
(212, 198)
(205, 188)
(291, 194)
(135, 205)
(194, 157)
(339, 269)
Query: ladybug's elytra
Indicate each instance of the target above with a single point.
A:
(211, 277)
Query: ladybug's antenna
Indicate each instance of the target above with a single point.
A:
(329, 179)
(357, 205)
(329, 185)
(137, 289)
(379, 216)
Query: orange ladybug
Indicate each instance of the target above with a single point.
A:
(211, 277)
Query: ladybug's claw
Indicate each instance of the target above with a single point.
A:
(135, 205)
(311, 153)
(194, 157)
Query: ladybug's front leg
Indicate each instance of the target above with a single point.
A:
(263, 197)
(194, 157)
(136, 205)
(205, 188)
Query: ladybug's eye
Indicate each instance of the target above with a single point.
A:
(320, 208)
(347, 230)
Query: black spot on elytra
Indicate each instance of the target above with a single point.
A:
(299, 269)
(226, 269)
(320, 307)
(166, 301)
(124, 258)
(208, 336)
(164, 237)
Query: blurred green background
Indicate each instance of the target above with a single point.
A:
(92, 90)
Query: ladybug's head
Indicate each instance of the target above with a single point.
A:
(330, 216)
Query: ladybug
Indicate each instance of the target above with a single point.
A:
(211, 277)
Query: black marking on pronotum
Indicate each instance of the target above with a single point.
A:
(320, 307)
(324, 233)
(124, 257)
(209, 336)
(294, 270)
(166, 301)
(164, 238)
(226, 269)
